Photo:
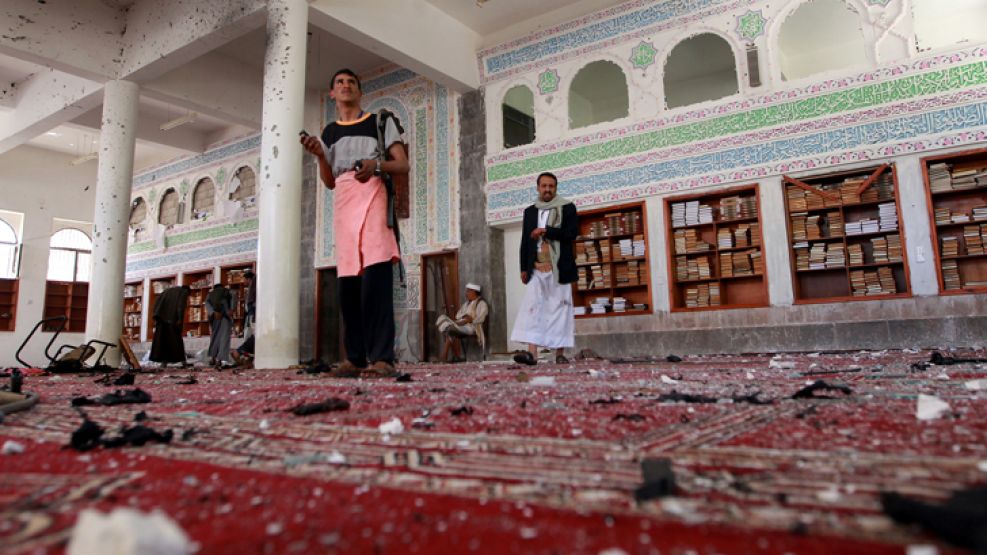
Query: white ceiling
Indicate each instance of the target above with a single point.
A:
(493, 20)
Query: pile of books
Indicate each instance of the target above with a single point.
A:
(980, 213)
(599, 305)
(799, 232)
(586, 252)
(598, 229)
(702, 295)
(855, 253)
(802, 256)
(974, 241)
(686, 241)
(637, 245)
(741, 236)
(886, 277)
(835, 256)
(812, 229)
(834, 224)
(939, 178)
(884, 186)
(943, 216)
(879, 246)
(848, 190)
(755, 228)
(888, 216)
(726, 265)
(796, 199)
(871, 283)
(742, 264)
(950, 246)
(817, 256)
(738, 207)
(894, 248)
(860, 227)
(968, 178)
(951, 275)
(691, 213)
(619, 304)
(627, 274)
(623, 223)
(724, 239)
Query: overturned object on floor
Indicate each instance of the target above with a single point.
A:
(67, 359)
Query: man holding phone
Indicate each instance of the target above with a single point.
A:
(351, 164)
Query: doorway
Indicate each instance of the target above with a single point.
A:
(440, 295)
(328, 340)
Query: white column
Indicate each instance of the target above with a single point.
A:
(118, 131)
(279, 234)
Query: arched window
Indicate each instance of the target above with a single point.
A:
(9, 247)
(138, 215)
(598, 94)
(941, 25)
(168, 209)
(203, 199)
(518, 111)
(698, 69)
(69, 256)
(820, 35)
(243, 187)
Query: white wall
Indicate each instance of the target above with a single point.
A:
(43, 186)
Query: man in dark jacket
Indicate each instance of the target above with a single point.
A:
(169, 315)
(548, 267)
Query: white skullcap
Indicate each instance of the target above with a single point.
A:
(474, 287)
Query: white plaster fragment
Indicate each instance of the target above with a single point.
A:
(930, 407)
(391, 427)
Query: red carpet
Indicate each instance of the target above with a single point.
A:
(533, 469)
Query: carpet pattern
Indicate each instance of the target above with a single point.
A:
(499, 458)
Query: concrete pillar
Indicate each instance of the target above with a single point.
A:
(279, 234)
(118, 132)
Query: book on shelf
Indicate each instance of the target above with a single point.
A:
(855, 254)
(950, 246)
(972, 239)
(943, 178)
(951, 275)
(887, 217)
(835, 256)
(980, 213)
(724, 239)
(691, 213)
(943, 216)
(741, 236)
(687, 241)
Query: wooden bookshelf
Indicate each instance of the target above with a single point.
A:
(196, 316)
(845, 235)
(612, 261)
(232, 278)
(8, 304)
(956, 189)
(69, 299)
(133, 310)
(158, 286)
(714, 243)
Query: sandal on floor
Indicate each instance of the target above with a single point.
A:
(525, 357)
(560, 359)
(346, 369)
(380, 369)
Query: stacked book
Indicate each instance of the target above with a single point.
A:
(950, 246)
(757, 263)
(951, 275)
(724, 239)
(678, 214)
(691, 213)
(702, 295)
(586, 252)
(799, 232)
(855, 254)
(880, 249)
(939, 178)
(730, 208)
(834, 224)
(815, 201)
(605, 250)
(848, 190)
(681, 268)
(599, 305)
(817, 256)
(796, 199)
(894, 248)
(835, 256)
(627, 274)
(980, 213)
(812, 229)
(741, 236)
(584, 279)
(867, 225)
(802, 256)
(887, 280)
(742, 264)
(626, 247)
(598, 229)
(726, 265)
(888, 216)
(755, 234)
(965, 179)
(943, 216)
(579, 310)
(705, 214)
(973, 240)
(637, 246)
(702, 267)
(619, 304)
(858, 285)
(884, 185)
(852, 228)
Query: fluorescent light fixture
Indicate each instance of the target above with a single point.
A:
(84, 158)
(187, 118)
(53, 134)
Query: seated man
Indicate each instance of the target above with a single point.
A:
(468, 322)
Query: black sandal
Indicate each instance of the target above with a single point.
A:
(560, 359)
(525, 357)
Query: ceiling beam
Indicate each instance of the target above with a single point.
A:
(44, 101)
(149, 131)
(82, 37)
(412, 33)
(215, 85)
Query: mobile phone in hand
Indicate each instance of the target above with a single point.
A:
(303, 133)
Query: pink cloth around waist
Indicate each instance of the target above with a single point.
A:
(360, 225)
